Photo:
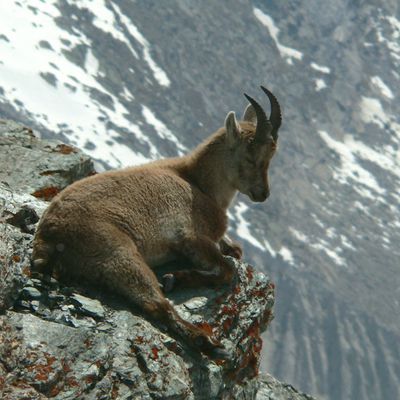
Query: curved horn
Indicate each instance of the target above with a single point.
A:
(276, 115)
(263, 124)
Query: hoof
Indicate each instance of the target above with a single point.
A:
(168, 282)
(212, 348)
(237, 253)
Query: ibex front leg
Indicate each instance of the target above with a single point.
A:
(229, 247)
(211, 268)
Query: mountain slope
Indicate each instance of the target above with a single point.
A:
(133, 81)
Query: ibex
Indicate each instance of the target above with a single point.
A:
(111, 229)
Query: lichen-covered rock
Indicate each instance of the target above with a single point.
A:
(64, 342)
(31, 169)
(15, 237)
(38, 167)
(266, 387)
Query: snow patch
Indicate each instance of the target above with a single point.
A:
(269, 248)
(287, 53)
(384, 157)
(91, 64)
(320, 68)
(158, 73)
(69, 108)
(243, 226)
(300, 236)
(384, 89)
(350, 170)
(287, 255)
(161, 129)
(372, 112)
(323, 246)
(104, 20)
(320, 84)
(391, 42)
(126, 94)
(346, 243)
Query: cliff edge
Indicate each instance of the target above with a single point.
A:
(63, 342)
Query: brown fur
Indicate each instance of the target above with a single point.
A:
(112, 228)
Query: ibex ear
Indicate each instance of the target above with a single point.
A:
(250, 114)
(232, 128)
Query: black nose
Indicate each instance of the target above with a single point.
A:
(259, 194)
(265, 194)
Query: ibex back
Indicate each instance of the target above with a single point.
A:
(112, 228)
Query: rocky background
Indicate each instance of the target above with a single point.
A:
(67, 342)
(130, 81)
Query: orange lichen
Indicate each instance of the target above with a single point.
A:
(249, 272)
(54, 391)
(254, 330)
(258, 293)
(50, 359)
(154, 351)
(139, 339)
(65, 149)
(46, 193)
(65, 367)
(49, 172)
(71, 381)
(41, 376)
(206, 327)
(90, 379)
(227, 324)
(230, 310)
(236, 290)
(26, 271)
(114, 391)
(16, 258)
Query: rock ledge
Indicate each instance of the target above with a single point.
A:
(67, 342)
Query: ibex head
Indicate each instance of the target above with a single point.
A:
(252, 143)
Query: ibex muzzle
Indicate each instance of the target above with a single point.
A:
(116, 226)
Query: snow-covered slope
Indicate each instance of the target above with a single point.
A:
(41, 76)
(135, 81)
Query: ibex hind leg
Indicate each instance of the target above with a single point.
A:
(42, 256)
(127, 274)
(203, 253)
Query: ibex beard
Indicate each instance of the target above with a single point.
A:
(116, 226)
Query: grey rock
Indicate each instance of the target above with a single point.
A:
(38, 167)
(14, 263)
(88, 306)
(35, 305)
(55, 296)
(271, 388)
(65, 342)
(266, 387)
(29, 166)
(196, 303)
(29, 292)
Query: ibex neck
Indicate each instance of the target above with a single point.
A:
(206, 169)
